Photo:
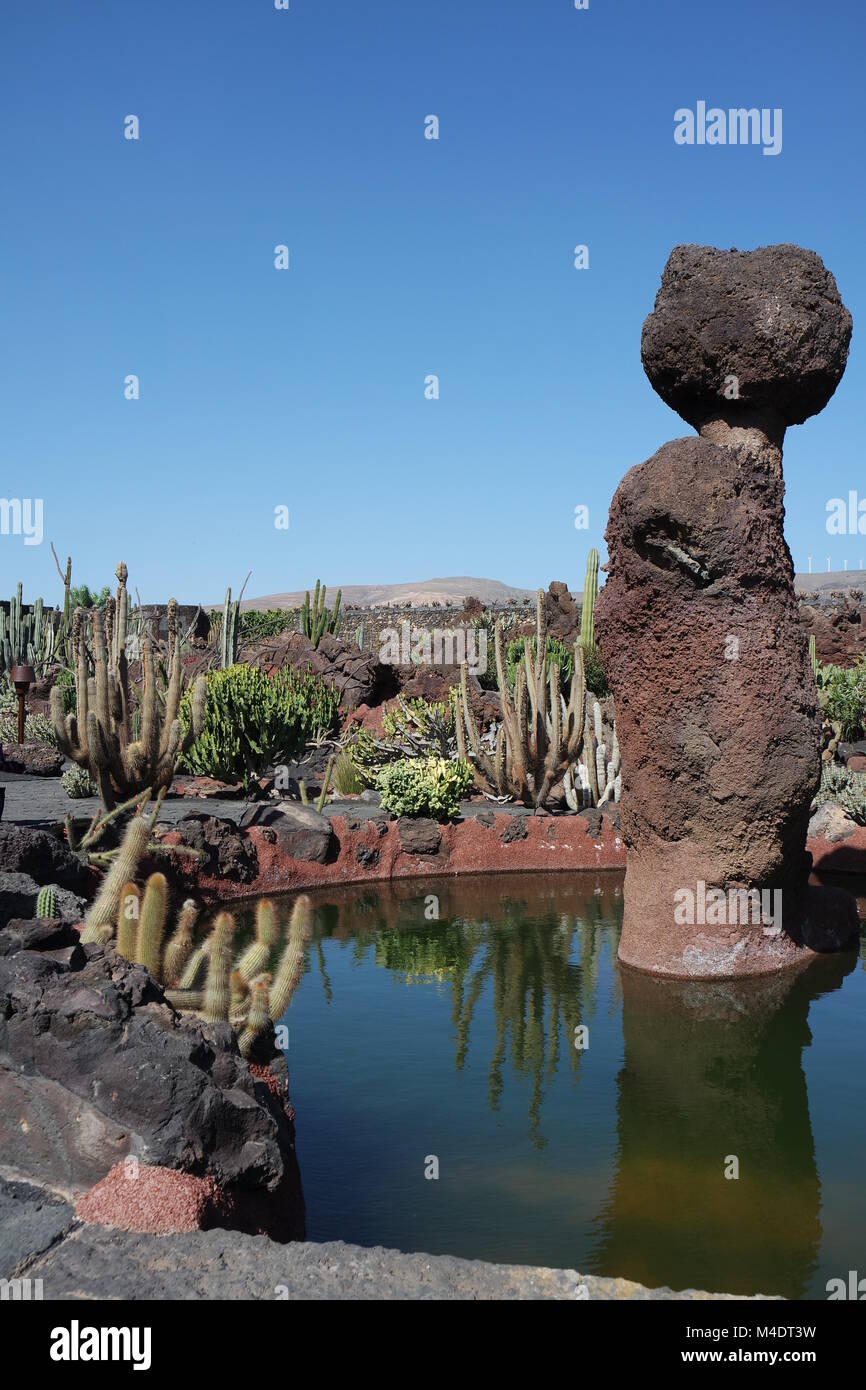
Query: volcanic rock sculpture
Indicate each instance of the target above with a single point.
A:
(717, 711)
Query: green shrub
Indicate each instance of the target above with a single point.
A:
(593, 670)
(556, 652)
(425, 786)
(254, 626)
(413, 728)
(253, 720)
(842, 693)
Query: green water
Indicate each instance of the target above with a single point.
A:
(412, 1038)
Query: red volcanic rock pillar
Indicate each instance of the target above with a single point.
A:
(717, 713)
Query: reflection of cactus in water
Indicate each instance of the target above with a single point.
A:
(542, 967)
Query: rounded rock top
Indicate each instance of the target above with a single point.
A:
(733, 332)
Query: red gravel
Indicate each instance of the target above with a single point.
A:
(163, 1201)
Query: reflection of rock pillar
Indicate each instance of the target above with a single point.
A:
(713, 1069)
(698, 624)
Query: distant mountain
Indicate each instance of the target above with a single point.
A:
(835, 579)
(489, 591)
(422, 591)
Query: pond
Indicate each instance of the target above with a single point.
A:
(578, 1114)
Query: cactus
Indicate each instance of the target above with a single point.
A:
(100, 734)
(193, 968)
(180, 944)
(46, 903)
(539, 738)
(291, 964)
(590, 594)
(151, 925)
(128, 915)
(813, 657)
(596, 777)
(216, 990)
(238, 991)
(316, 619)
(255, 958)
(230, 632)
(258, 1017)
(103, 912)
(26, 639)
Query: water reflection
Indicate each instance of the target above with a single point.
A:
(536, 949)
(702, 1073)
(714, 1073)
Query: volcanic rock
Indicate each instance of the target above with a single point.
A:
(717, 711)
(302, 833)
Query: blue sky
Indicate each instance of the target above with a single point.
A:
(305, 388)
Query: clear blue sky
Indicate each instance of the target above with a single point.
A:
(408, 257)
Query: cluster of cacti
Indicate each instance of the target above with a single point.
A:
(26, 638)
(125, 749)
(596, 777)
(590, 594)
(316, 619)
(209, 980)
(46, 903)
(541, 734)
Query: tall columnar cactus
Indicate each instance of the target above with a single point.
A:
(230, 629)
(590, 594)
(99, 922)
(813, 656)
(100, 734)
(151, 925)
(128, 916)
(217, 990)
(46, 903)
(316, 619)
(540, 736)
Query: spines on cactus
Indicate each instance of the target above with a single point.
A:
(103, 912)
(151, 925)
(258, 1017)
(217, 990)
(180, 945)
(128, 917)
(46, 903)
(290, 968)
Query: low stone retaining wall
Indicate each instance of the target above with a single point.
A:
(376, 849)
